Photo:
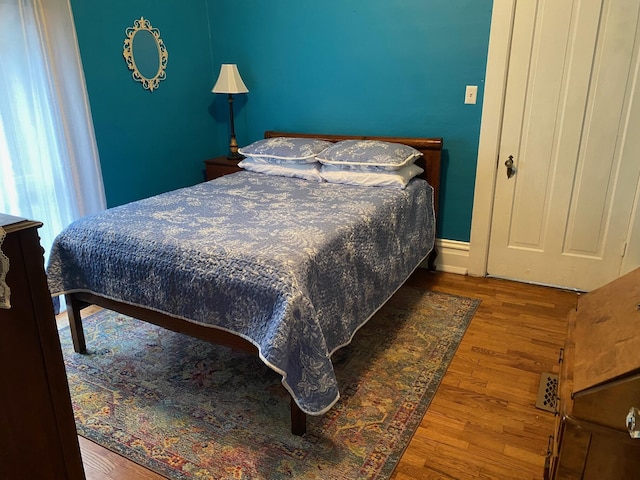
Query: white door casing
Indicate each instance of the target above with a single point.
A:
(567, 116)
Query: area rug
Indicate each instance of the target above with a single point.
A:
(191, 410)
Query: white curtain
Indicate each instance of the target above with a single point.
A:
(49, 165)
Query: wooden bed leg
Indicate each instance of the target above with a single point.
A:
(75, 324)
(298, 419)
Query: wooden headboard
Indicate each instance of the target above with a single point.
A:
(431, 149)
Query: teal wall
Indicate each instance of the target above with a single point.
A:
(369, 67)
(149, 142)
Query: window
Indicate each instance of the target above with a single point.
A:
(49, 165)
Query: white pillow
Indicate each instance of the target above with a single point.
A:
(306, 171)
(397, 178)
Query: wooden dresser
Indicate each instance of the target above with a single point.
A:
(38, 436)
(599, 383)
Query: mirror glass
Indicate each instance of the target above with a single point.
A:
(145, 54)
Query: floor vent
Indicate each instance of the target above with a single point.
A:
(548, 393)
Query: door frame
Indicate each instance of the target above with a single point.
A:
(502, 18)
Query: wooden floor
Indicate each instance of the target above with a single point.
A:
(482, 423)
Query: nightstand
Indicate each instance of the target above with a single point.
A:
(219, 166)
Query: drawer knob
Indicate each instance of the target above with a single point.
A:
(633, 422)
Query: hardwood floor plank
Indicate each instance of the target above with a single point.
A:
(482, 423)
(103, 464)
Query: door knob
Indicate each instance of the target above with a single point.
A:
(510, 168)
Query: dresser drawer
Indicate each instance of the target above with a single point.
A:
(592, 452)
(609, 404)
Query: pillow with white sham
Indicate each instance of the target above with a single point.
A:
(306, 171)
(371, 153)
(286, 148)
(397, 178)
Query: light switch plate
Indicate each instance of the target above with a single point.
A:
(470, 94)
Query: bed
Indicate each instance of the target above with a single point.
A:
(284, 268)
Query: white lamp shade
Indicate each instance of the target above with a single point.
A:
(229, 80)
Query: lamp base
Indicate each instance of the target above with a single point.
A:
(233, 146)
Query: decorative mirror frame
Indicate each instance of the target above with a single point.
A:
(149, 83)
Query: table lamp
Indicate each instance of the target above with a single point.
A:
(230, 82)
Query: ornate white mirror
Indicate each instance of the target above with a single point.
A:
(145, 54)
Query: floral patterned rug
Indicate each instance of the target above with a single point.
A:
(188, 409)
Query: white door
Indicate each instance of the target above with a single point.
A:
(571, 124)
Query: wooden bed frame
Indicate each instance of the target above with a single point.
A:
(430, 162)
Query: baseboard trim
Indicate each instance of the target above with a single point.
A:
(453, 256)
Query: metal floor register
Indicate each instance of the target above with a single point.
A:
(548, 392)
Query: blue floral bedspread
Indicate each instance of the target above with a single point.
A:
(295, 267)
